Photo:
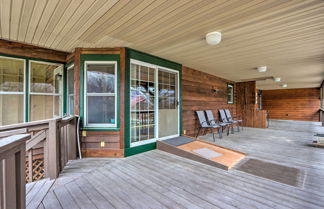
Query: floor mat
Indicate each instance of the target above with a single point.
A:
(207, 153)
(280, 173)
(177, 141)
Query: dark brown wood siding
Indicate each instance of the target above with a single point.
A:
(26, 50)
(197, 94)
(292, 104)
(91, 144)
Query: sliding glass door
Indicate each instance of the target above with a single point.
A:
(153, 103)
(168, 103)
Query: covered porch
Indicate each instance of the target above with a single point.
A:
(95, 95)
(157, 179)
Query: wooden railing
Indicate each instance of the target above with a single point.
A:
(55, 137)
(12, 171)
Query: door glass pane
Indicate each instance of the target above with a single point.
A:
(101, 109)
(46, 89)
(44, 107)
(71, 104)
(45, 78)
(11, 75)
(168, 108)
(70, 81)
(11, 109)
(142, 92)
(11, 91)
(101, 78)
(70, 85)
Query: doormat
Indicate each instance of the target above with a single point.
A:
(177, 141)
(207, 153)
(280, 173)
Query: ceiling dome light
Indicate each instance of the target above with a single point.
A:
(213, 38)
(284, 85)
(262, 69)
(277, 79)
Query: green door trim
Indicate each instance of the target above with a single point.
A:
(144, 57)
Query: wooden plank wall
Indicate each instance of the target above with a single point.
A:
(90, 145)
(246, 103)
(247, 106)
(197, 94)
(26, 50)
(293, 104)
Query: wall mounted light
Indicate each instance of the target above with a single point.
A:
(262, 69)
(284, 85)
(213, 38)
(277, 79)
(58, 77)
(216, 90)
(102, 144)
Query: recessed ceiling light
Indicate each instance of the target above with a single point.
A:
(277, 79)
(262, 69)
(213, 38)
(284, 85)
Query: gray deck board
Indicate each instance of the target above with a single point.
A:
(38, 197)
(51, 202)
(157, 179)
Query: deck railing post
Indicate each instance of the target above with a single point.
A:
(71, 139)
(12, 177)
(52, 148)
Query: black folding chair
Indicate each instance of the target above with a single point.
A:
(213, 122)
(205, 125)
(225, 120)
(230, 119)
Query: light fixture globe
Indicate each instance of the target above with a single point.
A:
(262, 69)
(284, 85)
(213, 38)
(277, 79)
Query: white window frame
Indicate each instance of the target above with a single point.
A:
(24, 87)
(86, 94)
(71, 67)
(156, 105)
(45, 94)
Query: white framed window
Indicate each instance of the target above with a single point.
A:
(45, 89)
(230, 93)
(12, 90)
(100, 85)
(70, 90)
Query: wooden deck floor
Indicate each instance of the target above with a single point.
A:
(157, 179)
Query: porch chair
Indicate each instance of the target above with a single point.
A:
(213, 122)
(226, 121)
(230, 119)
(205, 125)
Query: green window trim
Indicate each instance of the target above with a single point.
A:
(26, 80)
(144, 57)
(98, 57)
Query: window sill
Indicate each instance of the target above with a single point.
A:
(100, 129)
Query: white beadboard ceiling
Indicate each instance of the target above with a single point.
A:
(285, 35)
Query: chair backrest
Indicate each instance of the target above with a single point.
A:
(202, 119)
(223, 115)
(228, 114)
(210, 117)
